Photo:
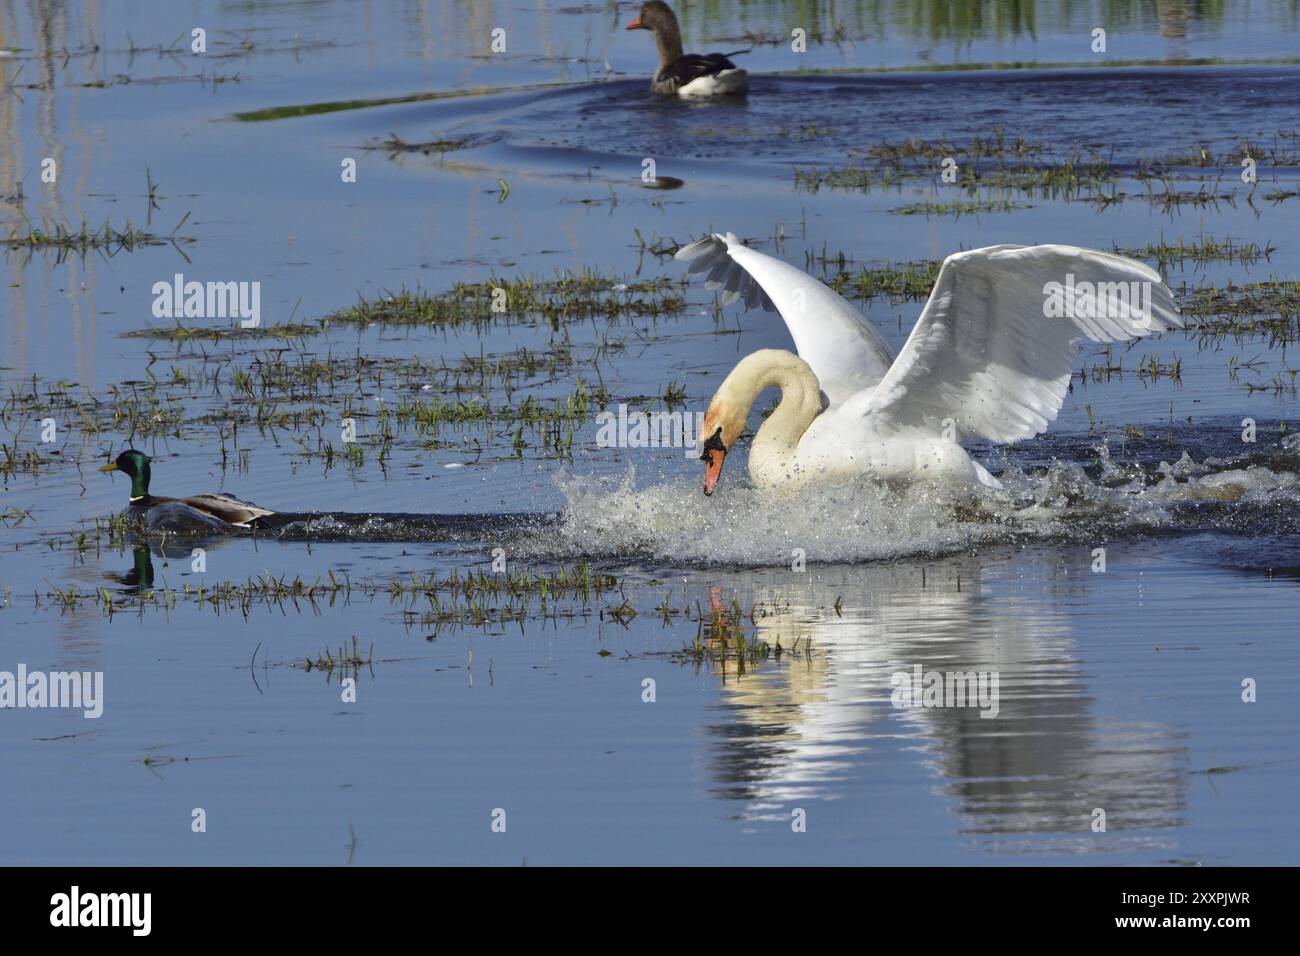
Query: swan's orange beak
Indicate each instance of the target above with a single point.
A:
(715, 452)
(635, 25)
(714, 458)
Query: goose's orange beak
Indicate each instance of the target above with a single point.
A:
(635, 25)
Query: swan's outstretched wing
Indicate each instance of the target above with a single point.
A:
(992, 349)
(845, 351)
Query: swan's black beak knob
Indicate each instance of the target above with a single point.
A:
(714, 454)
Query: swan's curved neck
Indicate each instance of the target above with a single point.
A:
(774, 446)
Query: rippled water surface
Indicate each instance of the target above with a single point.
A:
(655, 676)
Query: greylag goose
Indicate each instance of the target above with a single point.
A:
(687, 74)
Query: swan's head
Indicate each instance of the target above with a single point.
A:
(723, 424)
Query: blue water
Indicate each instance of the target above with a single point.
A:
(1119, 690)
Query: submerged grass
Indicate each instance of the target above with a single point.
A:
(1199, 251)
(726, 635)
(958, 207)
(995, 146)
(985, 166)
(906, 282)
(1267, 309)
(68, 240)
(1282, 152)
(15, 459)
(565, 298)
(309, 395)
(472, 597)
(179, 332)
(989, 163)
(395, 144)
(344, 659)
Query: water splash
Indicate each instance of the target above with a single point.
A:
(855, 521)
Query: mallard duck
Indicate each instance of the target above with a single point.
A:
(691, 74)
(201, 512)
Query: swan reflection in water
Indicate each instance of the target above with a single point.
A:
(808, 725)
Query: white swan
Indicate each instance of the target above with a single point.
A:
(990, 357)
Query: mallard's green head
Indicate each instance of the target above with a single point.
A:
(134, 464)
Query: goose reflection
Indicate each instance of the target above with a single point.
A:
(1036, 763)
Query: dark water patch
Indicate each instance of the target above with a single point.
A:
(836, 113)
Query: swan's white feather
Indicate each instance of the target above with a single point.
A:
(844, 350)
(985, 354)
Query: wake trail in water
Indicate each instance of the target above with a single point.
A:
(399, 527)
